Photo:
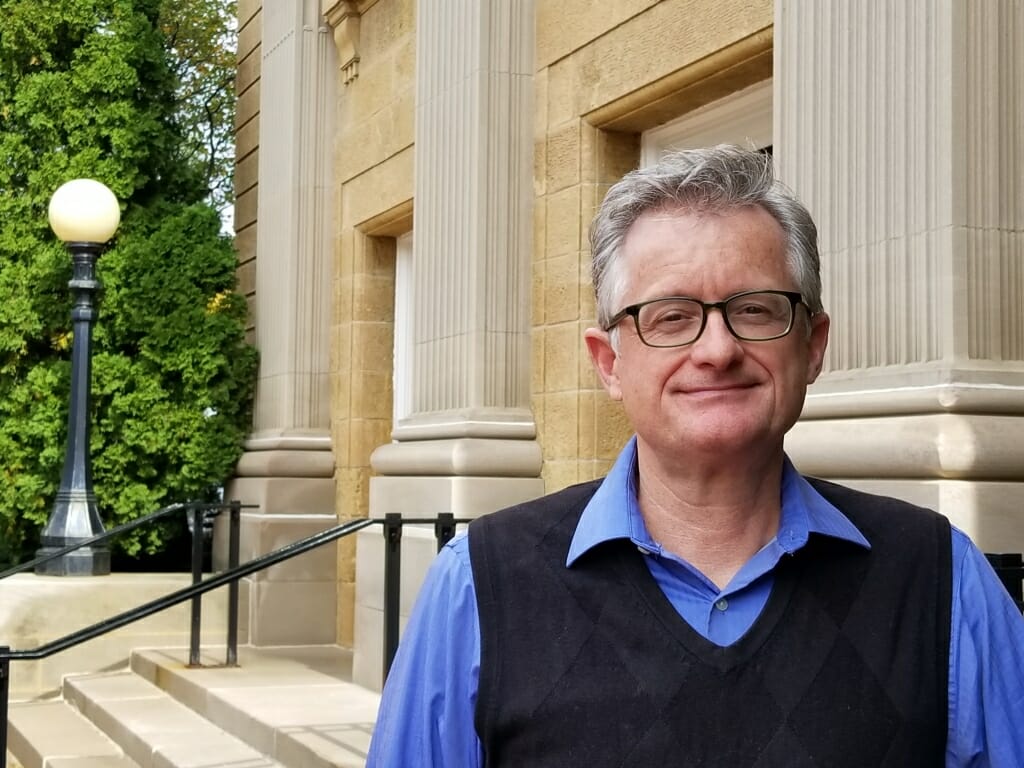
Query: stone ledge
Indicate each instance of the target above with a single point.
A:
(36, 610)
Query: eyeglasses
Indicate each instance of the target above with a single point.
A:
(676, 321)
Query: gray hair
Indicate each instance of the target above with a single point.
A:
(709, 180)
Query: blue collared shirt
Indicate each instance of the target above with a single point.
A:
(427, 710)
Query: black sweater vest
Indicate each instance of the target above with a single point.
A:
(591, 666)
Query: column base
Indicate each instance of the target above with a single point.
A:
(966, 466)
(462, 496)
(294, 602)
(965, 446)
(989, 512)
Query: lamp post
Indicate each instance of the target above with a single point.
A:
(84, 214)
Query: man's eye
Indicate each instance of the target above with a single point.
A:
(753, 309)
(674, 316)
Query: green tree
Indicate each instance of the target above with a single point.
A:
(201, 41)
(90, 88)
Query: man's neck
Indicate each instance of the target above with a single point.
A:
(714, 516)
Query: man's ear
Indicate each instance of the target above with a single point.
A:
(816, 345)
(605, 360)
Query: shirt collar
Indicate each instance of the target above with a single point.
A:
(613, 512)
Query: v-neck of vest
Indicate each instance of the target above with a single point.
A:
(634, 569)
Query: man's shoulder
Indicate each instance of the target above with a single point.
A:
(507, 546)
(873, 513)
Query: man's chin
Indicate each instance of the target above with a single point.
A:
(723, 438)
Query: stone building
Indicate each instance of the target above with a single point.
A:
(415, 180)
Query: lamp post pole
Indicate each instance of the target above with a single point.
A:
(84, 214)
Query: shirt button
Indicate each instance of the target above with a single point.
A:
(722, 604)
(643, 550)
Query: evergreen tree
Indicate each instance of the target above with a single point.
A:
(88, 89)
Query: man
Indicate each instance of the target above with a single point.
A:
(704, 604)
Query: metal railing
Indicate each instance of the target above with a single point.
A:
(1010, 570)
(109, 534)
(444, 529)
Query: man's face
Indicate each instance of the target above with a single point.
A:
(718, 395)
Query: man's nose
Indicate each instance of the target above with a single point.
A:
(716, 345)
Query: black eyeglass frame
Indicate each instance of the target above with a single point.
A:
(633, 310)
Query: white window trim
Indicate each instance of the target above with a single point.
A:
(743, 118)
(401, 374)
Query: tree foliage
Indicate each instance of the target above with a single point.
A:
(200, 40)
(92, 88)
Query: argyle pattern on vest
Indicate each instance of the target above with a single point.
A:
(592, 666)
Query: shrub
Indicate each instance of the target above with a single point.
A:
(86, 90)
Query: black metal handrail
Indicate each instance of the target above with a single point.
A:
(1009, 567)
(444, 529)
(108, 534)
(186, 593)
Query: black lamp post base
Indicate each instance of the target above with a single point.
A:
(87, 561)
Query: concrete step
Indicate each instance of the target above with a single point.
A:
(53, 734)
(296, 704)
(154, 729)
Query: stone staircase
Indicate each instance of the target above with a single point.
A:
(291, 706)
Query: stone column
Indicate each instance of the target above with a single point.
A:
(900, 125)
(288, 467)
(469, 446)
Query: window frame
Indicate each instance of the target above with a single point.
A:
(744, 118)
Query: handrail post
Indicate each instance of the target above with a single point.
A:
(1009, 567)
(392, 585)
(5, 691)
(444, 529)
(235, 524)
(195, 512)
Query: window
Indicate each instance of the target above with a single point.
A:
(403, 333)
(743, 118)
